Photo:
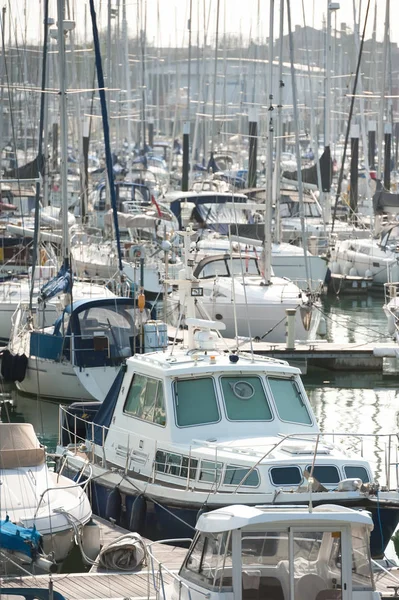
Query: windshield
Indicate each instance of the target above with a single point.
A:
(245, 398)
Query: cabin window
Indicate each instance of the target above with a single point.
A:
(195, 401)
(209, 561)
(286, 475)
(175, 464)
(245, 399)
(357, 472)
(210, 471)
(289, 401)
(216, 268)
(248, 266)
(145, 400)
(327, 474)
(234, 476)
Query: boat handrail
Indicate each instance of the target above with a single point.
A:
(313, 437)
(162, 568)
(66, 487)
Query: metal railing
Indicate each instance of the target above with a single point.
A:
(79, 431)
(157, 571)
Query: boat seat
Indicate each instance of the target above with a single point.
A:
(329, 595)
(309, 587)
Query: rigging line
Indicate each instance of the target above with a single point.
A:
(341, 173)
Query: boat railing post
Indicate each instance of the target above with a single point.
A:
(361, 446)
(389, 463)
(290, 328)
(189, 468)
(75, 433)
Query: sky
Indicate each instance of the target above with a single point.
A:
(167, 19)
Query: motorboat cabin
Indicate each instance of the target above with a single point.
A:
(247, 553)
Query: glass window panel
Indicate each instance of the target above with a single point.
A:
(325, 473)
(193, 467)
(312, 581)
(149, 400)
(214, 269)
(234, 475)
(173, 462)
(289, 402)
(160, 460)
(361, 564)
(195, 401)
(357, 472)
(210, 471)
(245, 399)
(159, 412)
(135, 399)
(286, 475)
(209, 562)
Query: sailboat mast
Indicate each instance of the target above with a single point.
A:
(269, 168)
(383, 84)
(63, 131)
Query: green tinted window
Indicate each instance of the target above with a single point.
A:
(245, 398)
(195, 401)
(145, 400)
(234, 476)
(290, 404)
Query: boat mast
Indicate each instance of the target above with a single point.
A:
(269, 169)
(383, 84)
(63, 130)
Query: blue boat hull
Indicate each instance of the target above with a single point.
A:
(163, 521)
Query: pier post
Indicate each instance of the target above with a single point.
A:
(186, 156)
(371, 135)
(253, 148)
(387, 156)
(354, 176)
(290, 328)
(151, 132)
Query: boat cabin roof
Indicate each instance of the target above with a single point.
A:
(239, 516)
(176, 363)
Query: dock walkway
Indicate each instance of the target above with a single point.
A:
(97, 584)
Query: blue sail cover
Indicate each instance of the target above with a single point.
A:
(19, 539)
(105, 413)
(62, 282)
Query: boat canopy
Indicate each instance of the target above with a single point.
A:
(105, 332)
(239, 516)
(19, 446)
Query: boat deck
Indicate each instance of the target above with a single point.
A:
(137, 584)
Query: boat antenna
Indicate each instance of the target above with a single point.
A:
(107, 143)
(40, 152)
(341, 172)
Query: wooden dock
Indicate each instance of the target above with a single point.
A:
(326, 355)
(315, 353)
(98, 584)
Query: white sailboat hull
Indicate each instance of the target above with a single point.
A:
(50, 379)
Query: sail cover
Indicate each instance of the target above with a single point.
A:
(61, 283)
(309, 175)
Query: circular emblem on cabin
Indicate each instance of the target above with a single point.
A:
(243, 390)
(218, 316)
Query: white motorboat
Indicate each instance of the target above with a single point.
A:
(369, 257)
(193, 428)
(296, 553)
(33, 496)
